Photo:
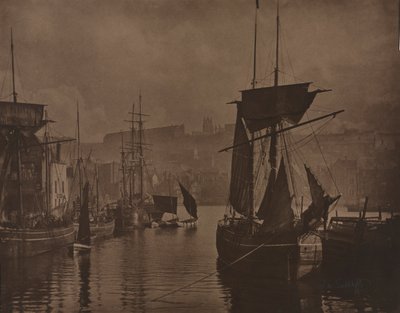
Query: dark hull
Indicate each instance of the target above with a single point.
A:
(346, 250)
(104, 230)
(276, 259)
(99, 231)
(30, 242)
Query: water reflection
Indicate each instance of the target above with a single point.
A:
(124, 274)
(250, 294)
(26, 284)
(84, 275)
(369, 292)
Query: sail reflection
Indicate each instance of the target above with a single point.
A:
(84, 275)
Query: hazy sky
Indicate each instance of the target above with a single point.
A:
(191, 57)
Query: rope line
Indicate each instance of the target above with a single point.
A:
(323, 157)
(208, 275)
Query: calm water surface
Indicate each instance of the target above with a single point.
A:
(127, 273)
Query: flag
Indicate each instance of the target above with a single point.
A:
(257, 4)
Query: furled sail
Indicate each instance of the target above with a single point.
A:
(279, 214)
(189, 202)
(166, 204)
(84, 226)
(319, 207)
(239, 191)
(265, 107)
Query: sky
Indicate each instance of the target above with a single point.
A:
(190, 57)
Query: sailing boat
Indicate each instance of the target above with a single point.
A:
(102, 223)
(83, 238)
(33, 215)
(268, 241)
(190, 205)
(169, 204)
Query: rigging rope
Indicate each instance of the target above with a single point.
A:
(323, 157)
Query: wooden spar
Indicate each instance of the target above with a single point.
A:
(17, 134)
(276, 78)
(97, 192)
(123, 168)
(140, 146)
(47, 174)
(79, 155)
(132, 168)
(48, 143)
(333, 114)
(253, 82)
(12, 68)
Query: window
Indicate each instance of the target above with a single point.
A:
(62, 186)
(55, 186)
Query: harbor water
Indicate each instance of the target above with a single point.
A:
(131, 272)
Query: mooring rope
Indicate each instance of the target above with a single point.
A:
(208, 275)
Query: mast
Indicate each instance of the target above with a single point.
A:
(97, 191)
(276, 80)
(47, 174)
(17, 133)
(132, 169)
(253, 84)
(123, 168)
(273, 151)
(12, 69)
(79, 153)
(141, 145)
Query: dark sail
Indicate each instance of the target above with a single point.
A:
(265, 107)
(239, 191)
(266, 201)
(279, 213)
(84, 226)
(21, 115)
(319, 207)
(189, 202)
(166, 204)
(153, 213)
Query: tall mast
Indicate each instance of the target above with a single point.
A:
(12, 69)
(273, 151)
(140, 145)
(97, 191)
(276, 80)
(17, 133)
(123, 169)
(132, 168)
(79, 153)
(253, 84)
(46, 155)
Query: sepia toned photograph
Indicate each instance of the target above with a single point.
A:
(193, 156)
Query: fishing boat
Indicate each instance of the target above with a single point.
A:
(33, 182)
(169, 204)
(190, 205)
(83, 238)
(101, 219)
(270, 241)
(361, 244)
